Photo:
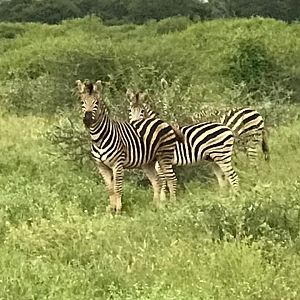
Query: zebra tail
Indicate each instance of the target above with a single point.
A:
(178, 133)
(265, 145)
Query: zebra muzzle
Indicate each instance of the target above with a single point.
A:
(88, 119)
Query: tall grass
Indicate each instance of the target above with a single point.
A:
(57, 242)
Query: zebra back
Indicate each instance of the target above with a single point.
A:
(243, 121)
(208, 114)
(202, 141)
(248, 127)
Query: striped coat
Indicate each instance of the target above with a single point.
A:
(247, 125)
(119, 145)
(203, 141)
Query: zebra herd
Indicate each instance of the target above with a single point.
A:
(149, 143)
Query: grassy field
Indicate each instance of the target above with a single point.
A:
(57, 242)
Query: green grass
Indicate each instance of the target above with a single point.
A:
(57, 242)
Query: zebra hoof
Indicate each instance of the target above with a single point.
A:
(118, 212)
(110, 209)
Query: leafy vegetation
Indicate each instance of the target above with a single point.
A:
(57, 242)
(39, 66)
(252, 64)
(172, 24)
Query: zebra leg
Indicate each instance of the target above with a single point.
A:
(163, 182)
(152, 175)
(107, 175)
(265, 145)
(252, 152)
(226, 167)
(168, 172)
(220, 175)
(118, 173)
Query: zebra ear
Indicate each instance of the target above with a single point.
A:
(129, 95)
(143, 97)
(80, 86)
(137, 98)
(97, 86)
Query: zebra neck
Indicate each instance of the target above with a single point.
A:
(102, 129)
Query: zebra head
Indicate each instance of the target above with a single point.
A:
(90, 99)
(136, 107)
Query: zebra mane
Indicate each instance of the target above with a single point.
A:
(210, 114)
(135, 102)
(205, 115)
(90, 88)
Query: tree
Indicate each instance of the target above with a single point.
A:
(140, 10)
(52, 11)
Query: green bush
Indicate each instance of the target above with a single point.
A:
(252, 64)
(10, 31)
(72, 140)
(39, 96)
(39, 67)
(172, 25)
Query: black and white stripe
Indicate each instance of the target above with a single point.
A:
(203, 141)
(119, 145)
(247, 125)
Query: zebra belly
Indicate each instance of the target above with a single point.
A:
(133, 156)
(185, 154)
(132, 159)
(135, 159)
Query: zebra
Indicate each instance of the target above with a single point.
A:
(246, 123)
(202, 141)
(119, 145)
(138, 109)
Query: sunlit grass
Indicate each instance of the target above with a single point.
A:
(57, 242)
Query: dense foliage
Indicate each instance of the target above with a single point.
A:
(210, 62)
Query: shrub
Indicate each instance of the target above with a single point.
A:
(41, 95)
(173, 24)
(42, 65)
(252, 64)
(72, 140)
(10, 31)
